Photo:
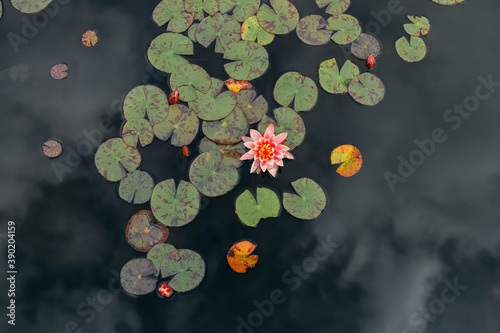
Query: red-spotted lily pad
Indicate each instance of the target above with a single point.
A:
(287, 121)
(187, 79)
(175, 208)
(419, 25)
(333, 80)
(192, 32)
(413, 51)
(142, 233)
(198, 6)
(219, 29)
(448, 2)
(367, 89)
(237, 85)
(351, 160)
(181, 125)
(186, 267)
(239, 257)
(144, 100)
(89, 38)
(137, 130)
(211, 176)
(310, 201)
(242, 9)
(114, 159)
(228, 130)
(335, 7)
(250, 210)
(250, 60)
(173, 12)
(232, 153)
(136, 187)
(59, 71)
(346, 26)
(293, 87)
(311, 30)
(280, 19)
(214, 104)
(166, 51)
(137, 277)
(29, 6)
(157, 254)
(255, 108)
(365, 46)
(52, 148)
(251, 30)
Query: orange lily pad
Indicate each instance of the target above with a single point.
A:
(351, 160)
(89, 38)
(236, 85)
(239, 257)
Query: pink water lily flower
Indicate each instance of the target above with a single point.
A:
(267, 150)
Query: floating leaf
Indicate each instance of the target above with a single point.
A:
(413, 51)
(192, 32)
(187, 79)
(280, 19)
(52, 148)
(197, 6)
(250, 60)
(29, 6)
(335, 7)
(175, 208)
(214, 104)
(136, 187)
(137, 129)
(448, 2)
(181, 125)
(367, 89)
(114, 158)
(223, 31)
(255, 108)
(59, 71)
(142, 233)
(351, 160)
(146, 99)
(242, 9)
(347, 27)
(137, 277)
(158, 253)
(237, 85)
(365, 46)
(90, 38)
(173, 11)
(251, 30)
(1, 10)
(228, 130)
(419, 26)
(251, 211)
(310, 201)
(211, 176)
(239, 257)
(293, 87)
(287, 121)
(187, 268)
(232, 153)
(165, 51)
(333, 80)
(311, 30)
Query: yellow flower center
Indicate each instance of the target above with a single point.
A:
(266, 151)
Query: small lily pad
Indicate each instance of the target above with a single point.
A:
(52, 148)
(142, 233)
(137, 277)
(448, 2)
(59, 71)
(114, 159)
(30, 6)
(365, 46)
(144, 100)
(211, 176)
(351, 160)
(166, 50)
(280, 19)
(137, 130)
(310, 201)
(187, 268)
(239, 257)
(255, 108)
(367, 89)
(228, 130)
(158, 253)
(250, 211)
(335, 7)
(136, 187)
(250, 60)
(237, 85)
(187, 79)
(287, 121)
(251, 30)
(181, 125)
(89, 38)
(242, 9)
(413, 51)
(311, 30)
(293, 87)
(219, 29)
(214, 104)
(232, 153)
(173, 12)
(334, 81)
(419, 26)
(346, 26)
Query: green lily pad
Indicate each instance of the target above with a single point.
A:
(136, 187)
(192, 32)
(250, 60)
(289, 121)
(335, 7)
(232, 153)
(365, 46)
(137, 130)
(413, 51)
(334, 81)
(448, 2)
(30, 6)
(181, 125)
(347, 27)
(251, 211)
(311, 30)
(209, 6)
(419, 25)
(242, 9)
(175, 208)
(173, 12)
(255, 108)
(187, 79)
(187, 268)
(367, 89)
(158, 253)
(214, 104)
(137, 277)
(310, 201)
(293, 87)
(280, 19)
(1, 10)
(211, 176)
(114, 159)
(228, 130)
(223, 31)
(166, 50)
(144, 100)
(142, 233)
(251, 30)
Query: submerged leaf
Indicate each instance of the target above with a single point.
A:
(293, 87)
(419, 26)
(250, 60)
(211, 176)
(413, 51)
(214, 104)
(335, 81)
(144, 100)
(351, 160)
(142, 233)
(189, 78)
(137, 187)
(365, 46)
(228, 130)
(114, 158)
(239, 257)
(181, 125)
(137, 130)
(137, 277)
(251, 30)
(251, 211)
(287, 121)
(242, 9)
(173, 11)
(165, 51)
(310, 201)
(335, 7)
(52, 148)
(187, 268)
(347, 27)
(311, 30)
(280, 19)
(367, 89)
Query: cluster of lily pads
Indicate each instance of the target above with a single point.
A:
(414, 50)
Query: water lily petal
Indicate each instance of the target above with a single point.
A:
(269, 131)
(255, 135)
(280, 138)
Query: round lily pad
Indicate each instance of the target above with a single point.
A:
(255, 108)
(239, 257)
(335, 7)
(365, 46)
(367, 89)
(144, 100)
(346, 26)
(228, 130)
(250, 210)
(136, 187)
(214, 104)
(142, 233)
(293, 87)
(351, 160)
(251, 30)
(187, 79)
(413, 51)
(158, 253)
(173, 12)
(223, 31)
(30, 6)
(137, 277)
(181, 125)
(137, 130)
(448, 2)
(242, 9)
(280, 19)
(310, 201)
(89, 38)
(166, 50)
(175, 208)
(114, 159)
(211, 176)
(186, 267)
(419, 25)
(250, 60)
(334, 81)
(52, 148)
(232, 153)
(59, 71)
(287, 121)
(311, 30)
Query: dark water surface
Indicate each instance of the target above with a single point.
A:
(399, 251)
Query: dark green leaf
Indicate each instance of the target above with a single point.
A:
(367, 89)
(187, 268)
(310, 201)
(136, 187)
(181, 125)
(280, 19)
(211, 176)
(114, 158)
(165, 51)
(250, 60)
(311, 30)
(293, 87)
(289, 121)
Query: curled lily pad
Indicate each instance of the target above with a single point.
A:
(365, 46)
(413, 51)
(166, 50)
(250, 210)
(250, 60)
(255, 108)
(232, 153)
(114, 159)
(144, 100)
(367, 89)
(335, 7)
(173, 12)
(137, 277)
(311, 30)
(287, 121)
(214, 104)
(89, 38)
(186, 267)
(351, 160)
(333, 80)
(29, 6)
(346, 26)
(192, 32)
(310, 201)
(239, 257)
(136, 187)
(137, 130)
(280, 19)
(158, 253)
(211, 176)
(251, 30)
(142, 233)
(187, 79)
(223, 31)
(228, 130)
(419, 25)
(293, 87)
(448, 2)
(52, 148)
(237, 85)
(181, 125)
(175, 208)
